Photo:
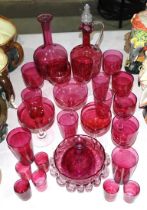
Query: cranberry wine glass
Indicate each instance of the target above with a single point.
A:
(50, 58)
(70, 95)
(78, 163)
(122, 83)
(36, 113)
(112, 61)
(124, 131)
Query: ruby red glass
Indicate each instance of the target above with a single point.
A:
(23, 170)
(19, 141)
(131, 190)
(31, 76)
(51, 59)
(124, 162)
(22, 189)
(42, 161)
(122, 83)
(111, 189)
(79, 160)
(39, 179)
(124, 131)
(68, 123)
(96, 119)
(112, 61)
(70, 95)
(124, 106)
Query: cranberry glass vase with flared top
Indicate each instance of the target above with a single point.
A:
(50, 58)
(86, 58)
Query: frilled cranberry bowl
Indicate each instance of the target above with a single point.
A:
(78, 163)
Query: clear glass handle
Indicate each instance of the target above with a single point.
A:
(99, 40)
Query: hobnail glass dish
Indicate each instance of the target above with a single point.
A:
(78, 163)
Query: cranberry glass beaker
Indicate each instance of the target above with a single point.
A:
(50, 58)
(86, 58)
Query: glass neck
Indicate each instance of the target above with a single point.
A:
(47, 36)
(86, 38)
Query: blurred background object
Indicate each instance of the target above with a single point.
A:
(66, 12)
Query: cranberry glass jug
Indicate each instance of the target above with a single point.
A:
(86, 58)
(51, 59)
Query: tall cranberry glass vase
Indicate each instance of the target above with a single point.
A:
(50, 58)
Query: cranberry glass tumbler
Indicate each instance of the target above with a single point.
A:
(124, 162)
(20, 144)
(22, 189)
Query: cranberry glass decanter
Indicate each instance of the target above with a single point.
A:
(86, 58)
(51, 59)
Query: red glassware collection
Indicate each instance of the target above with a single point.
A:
(79, 161)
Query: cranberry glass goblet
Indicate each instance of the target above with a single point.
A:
(96, 119)
(70, 95)
(124, 106)
(36, 113)
(112, 61)
(124, 131)
(78, 163)
(122, 83)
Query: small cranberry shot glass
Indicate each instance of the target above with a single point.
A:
(31, 76)
(122, 83)
(100, 85)
(23, 170)
(42, 161)
(19, 141)
(39, 179)
(124, 106)
(111, 189)
(68, 122)
(112, 61)
(124, 162)
(22, 189)
(131, 190)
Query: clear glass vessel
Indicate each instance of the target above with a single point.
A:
(50, 58)
(86, 57)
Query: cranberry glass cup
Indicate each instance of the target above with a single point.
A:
(23, 170)
(70, 95)
(78, 162)
(124, 131)
(39, 179)
(111, 189)
(22, 189)
(112, 61)
(31, 76)
(95, 119)
(19, 141)
(68, 122)
(42, 161)
(124, 106)
(124, 162)
(131, 191)
(100, 85)
(122, 83)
